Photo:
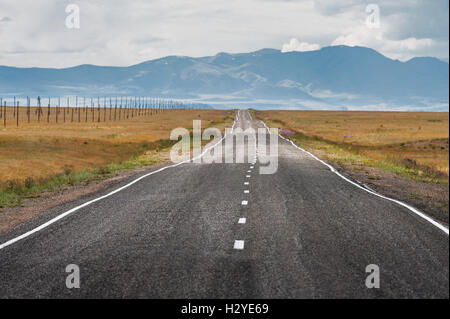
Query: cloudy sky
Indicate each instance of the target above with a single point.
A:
(118, 32)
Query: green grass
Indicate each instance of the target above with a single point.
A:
(15, 192)
(413, 145)
(345, 155)
(415, 196)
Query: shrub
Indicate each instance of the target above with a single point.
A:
(29, 182)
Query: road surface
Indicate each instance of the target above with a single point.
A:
(181, 233)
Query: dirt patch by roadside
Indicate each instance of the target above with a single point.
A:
(11, 217)
(431, 199)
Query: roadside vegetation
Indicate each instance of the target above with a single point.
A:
(403, 155)
(413, 145)
(38, 158)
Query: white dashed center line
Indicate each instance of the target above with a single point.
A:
(246, 192)
(252, 167)
(242, 220)
(239, 244)
(244, 203)
(246, 183)
(247, 176)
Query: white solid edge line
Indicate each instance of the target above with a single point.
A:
(61, 216)
(414, 210)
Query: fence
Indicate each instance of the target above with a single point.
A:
(86, 109)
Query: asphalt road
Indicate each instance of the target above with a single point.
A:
(307, 234)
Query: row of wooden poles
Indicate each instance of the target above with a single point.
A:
(89, 109)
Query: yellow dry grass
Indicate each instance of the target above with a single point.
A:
(418, 140)
(40, 150)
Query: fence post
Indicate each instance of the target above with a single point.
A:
(128, 109)
(4, 114)
(79, 113)
(104, 109)
(39, 109)
(120, 108)
(92, 109)
(28, 108)
(98, 108)
(17, 115)
(48, 111)
(71, 117)
(57, 110)
(115, 109)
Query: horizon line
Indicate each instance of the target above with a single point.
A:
(223, 52)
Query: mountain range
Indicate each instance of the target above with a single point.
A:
(336, 77)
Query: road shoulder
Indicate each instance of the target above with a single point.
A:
(38, 208)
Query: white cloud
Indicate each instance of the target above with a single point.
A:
(403, 49)
(410, 44)
(295, 45)
(408, 28)
(117, 32)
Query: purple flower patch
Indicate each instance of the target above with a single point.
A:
(287, 133)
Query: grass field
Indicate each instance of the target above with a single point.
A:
(415, 145)
(38, 157)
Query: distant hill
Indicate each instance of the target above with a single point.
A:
(337, 77)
